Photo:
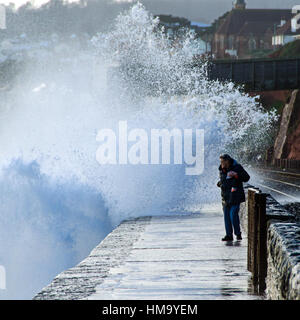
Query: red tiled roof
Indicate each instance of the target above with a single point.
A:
(237, 18)
(255, 28)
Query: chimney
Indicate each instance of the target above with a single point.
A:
(240, 4)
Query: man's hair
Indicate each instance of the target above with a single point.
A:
(226, 156)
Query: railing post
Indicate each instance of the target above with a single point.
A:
(261, 241)
(252, 234)
(257, 238)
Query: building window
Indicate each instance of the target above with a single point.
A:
(252, 44)
(222, 42)
(261, 44)
(230, 42)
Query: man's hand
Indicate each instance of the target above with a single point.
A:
(232, 174)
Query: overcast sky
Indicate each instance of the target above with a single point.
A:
(195, 10)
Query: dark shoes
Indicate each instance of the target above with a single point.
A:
(239, 237)
(227, 238)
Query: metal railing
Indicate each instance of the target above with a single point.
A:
(258, 74)
(287, 164)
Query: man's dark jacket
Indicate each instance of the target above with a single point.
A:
(232, 190)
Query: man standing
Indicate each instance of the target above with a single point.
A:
(232, 176)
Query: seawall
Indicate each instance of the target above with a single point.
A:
(283, 277)
(190, 242)
(80, 281)
(178, 256)
(283, 251)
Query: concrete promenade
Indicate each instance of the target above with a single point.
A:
(181, 257)
(160, 257)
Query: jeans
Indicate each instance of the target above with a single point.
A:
(231, 218)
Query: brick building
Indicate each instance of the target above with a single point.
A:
(243, 31)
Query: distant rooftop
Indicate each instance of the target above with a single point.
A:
(255, 28)
(236, 19)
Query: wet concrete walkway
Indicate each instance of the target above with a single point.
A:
(181, 257)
